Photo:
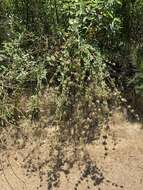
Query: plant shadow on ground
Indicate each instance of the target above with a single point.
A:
(55, 155)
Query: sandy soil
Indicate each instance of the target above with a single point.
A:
(122, 166)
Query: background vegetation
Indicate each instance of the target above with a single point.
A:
(66, 65)
(85, 54)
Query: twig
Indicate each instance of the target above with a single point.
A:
(16, 174)
(5, 176)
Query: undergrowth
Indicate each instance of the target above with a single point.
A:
(55, 73)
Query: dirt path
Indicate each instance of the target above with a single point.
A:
(122, 167)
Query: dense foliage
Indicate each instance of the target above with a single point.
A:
(65, 66)
(88, 51)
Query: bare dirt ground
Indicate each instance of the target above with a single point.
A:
(122, 166)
